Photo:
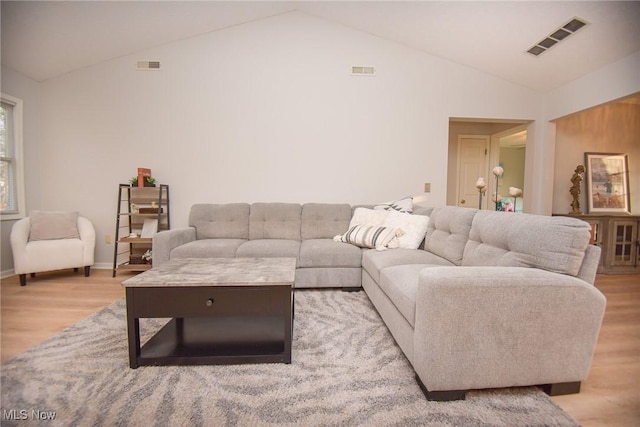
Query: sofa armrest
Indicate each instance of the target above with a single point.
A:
(88, 237)
(590, 263)
(486, 327)
(19, 238)
(165, 241)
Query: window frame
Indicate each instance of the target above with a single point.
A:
(18, 155)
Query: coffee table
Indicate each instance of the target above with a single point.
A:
(223, 310)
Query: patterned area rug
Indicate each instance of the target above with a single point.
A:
(346, 371)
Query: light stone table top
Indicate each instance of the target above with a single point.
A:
(218, 271)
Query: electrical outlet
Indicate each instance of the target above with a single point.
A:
(107, 238)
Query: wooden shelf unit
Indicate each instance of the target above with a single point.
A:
(130, 220)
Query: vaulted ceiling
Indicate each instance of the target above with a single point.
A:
(46, 39)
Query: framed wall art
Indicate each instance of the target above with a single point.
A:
(607, 183)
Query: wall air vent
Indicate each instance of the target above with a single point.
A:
(363, 71)
(557, 35)
(148, 65)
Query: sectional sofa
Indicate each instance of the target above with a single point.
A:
(483, 299)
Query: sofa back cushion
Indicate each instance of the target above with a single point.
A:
(324, 220)
(275, 221)
(448, 232)
(224, 221)
(555, 244)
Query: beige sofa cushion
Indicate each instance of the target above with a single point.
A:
(275, 221)
(329, 253)
(220, 221)
(269, 248)
(375, 261)
(400, 285)
(324, 220)
(208, 248)
(448, 232)
(503, 239)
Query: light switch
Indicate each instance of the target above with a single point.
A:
(427, 187)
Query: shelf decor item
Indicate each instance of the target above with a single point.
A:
(481, 185)
(498, 171)
(607, 183)
(147, 256)
(515, 192)
(148, 181)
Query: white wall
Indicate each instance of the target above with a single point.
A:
(265, 111)
(609, 83)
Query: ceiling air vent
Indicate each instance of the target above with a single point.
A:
(557, 35)
(363, 71)
(148, 65)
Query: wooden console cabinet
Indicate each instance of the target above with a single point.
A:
(619, 238)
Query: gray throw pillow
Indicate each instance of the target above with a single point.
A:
(53, 225)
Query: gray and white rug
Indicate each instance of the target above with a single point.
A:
(346, 371)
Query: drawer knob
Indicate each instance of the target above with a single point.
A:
(210, 302)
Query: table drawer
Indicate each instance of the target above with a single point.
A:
(209, 301)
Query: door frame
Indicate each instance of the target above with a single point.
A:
(495, 151)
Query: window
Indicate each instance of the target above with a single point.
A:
(12, 204)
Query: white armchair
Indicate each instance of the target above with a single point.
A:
(52, 246)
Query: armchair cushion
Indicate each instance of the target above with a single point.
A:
(53, 225)
(51, 254)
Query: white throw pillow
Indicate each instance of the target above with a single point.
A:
(364, 216)
(414, 227)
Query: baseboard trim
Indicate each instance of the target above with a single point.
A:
(4, 274)
(102, 266)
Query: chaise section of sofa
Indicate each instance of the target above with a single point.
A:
(509, 302)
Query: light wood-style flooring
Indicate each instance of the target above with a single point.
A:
(609, 397)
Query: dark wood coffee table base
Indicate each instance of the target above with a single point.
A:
(205, 341)
(258, 330)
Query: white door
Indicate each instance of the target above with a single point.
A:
(472, 164)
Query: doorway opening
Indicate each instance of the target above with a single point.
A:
(476, 146)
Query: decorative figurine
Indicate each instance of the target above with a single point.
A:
(576, 189)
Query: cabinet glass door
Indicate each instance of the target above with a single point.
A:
(624, 242)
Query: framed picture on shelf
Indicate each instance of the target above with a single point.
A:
(149, 228)
(607, 183)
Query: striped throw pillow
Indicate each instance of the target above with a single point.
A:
(369, 236)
